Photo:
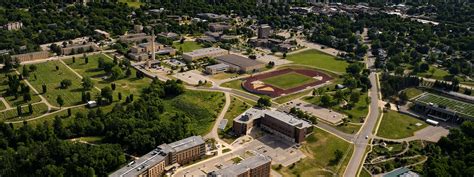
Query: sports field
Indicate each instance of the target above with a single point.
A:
(288, 80)
(318, 59)
(455, 105)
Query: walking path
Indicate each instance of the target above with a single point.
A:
(7, 106)
(214, 132)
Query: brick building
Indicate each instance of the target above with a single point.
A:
(157, 162)
(135, 38)
(31, 56)
(210, 52)
(76, 49)
(255, 166)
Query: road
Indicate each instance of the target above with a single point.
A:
(360, 142)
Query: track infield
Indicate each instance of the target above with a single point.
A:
(284, 81)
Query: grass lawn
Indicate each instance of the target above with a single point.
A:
(413, 92)
(288, 80)
(126, 86)
(221, 76)
(438, 74)
(187, 46)
(287, 98)
(235, 84)
(320, 150)
(12, 114)
(2, 106)
(318, 59)
(47, 74)
(364, 173)
(355, 115)
(191, 104)
(92, 139)
(11, 100)
(396, 126)
(132, 3)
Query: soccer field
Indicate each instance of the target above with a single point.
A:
(458, 106)
(288, 80)
(320, 60)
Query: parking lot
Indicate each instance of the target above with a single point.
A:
(281, 151)
(326, 115)
(191, 77)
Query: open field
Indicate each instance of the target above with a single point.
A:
(413, 92)
(12, 114)
(48, 75)
(235, 84)
(11, 100)
(320, 150)
(438, 74)
(191, 104)
(358, 112)
(396, 126)
(187, 46)
(458, 106)
(288, 80)
(126, 86)
(236, 108)
(132, 3)
(318, 59)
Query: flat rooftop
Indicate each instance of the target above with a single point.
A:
(238, 60)
(205, 51)
(138, 166)
(244, 165)
(456, 106)
(249, 115)
(288, 119)
(184, 143)
(217, 66)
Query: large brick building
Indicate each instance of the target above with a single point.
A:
(279, 123)
(76, 49)
(255, 166)
(135, 38)
(211, 52)
(157, 162)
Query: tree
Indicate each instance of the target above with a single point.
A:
(128, 73)
(18, 110)
(87, 83)
(337, 157)
(117, 73)
(107, 93)
(30, 108)
(27, 96)
(60, 101)
(69, 112)
(355, 96)
(112, 85)
(57, 68)
(44, 88)
(120, 96)
(73, 59)
(388, 106)
(326, 100)
(284, 55)
(33, 68)
(264, 102)
(25, 72)
(86, 60)
(65, 83)
(339, 96)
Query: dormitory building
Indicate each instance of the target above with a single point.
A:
(162, 159)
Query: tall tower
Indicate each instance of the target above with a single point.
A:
(153, 50)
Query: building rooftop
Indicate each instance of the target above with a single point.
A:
(244, 165)
(249, 115)
(136, 167)
(238, 60)
(183, 144)
(204, 51)
(217, 66)
(288, 119)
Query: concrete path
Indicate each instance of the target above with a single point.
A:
(215, 129)
(7, 106)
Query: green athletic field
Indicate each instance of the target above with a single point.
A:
(318, 59)
(455, 105)
(288, 80)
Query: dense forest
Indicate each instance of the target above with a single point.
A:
(164, 113)
(452, 155)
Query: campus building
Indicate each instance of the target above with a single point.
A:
(210, 52)
(13, 26)
(240, 63)
(102, 33)
(31, 56)
(215, 27)
(217, 68)
(135, 38)
(264, 31)
(143, 51)
(165, 157)
(76, 49)
(279, 123)
(255, 166)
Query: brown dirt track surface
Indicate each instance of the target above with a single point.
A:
(277, 91)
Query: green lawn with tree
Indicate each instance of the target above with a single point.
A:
(100, 78)
(323, 151)
(12, 114)
(288, 80)
(10, 98)
(132, 3)
(435, 73)
(187, 46)
(318, 59)
(51, 74)
(397, 126)
(236, 107)
(412, 92)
